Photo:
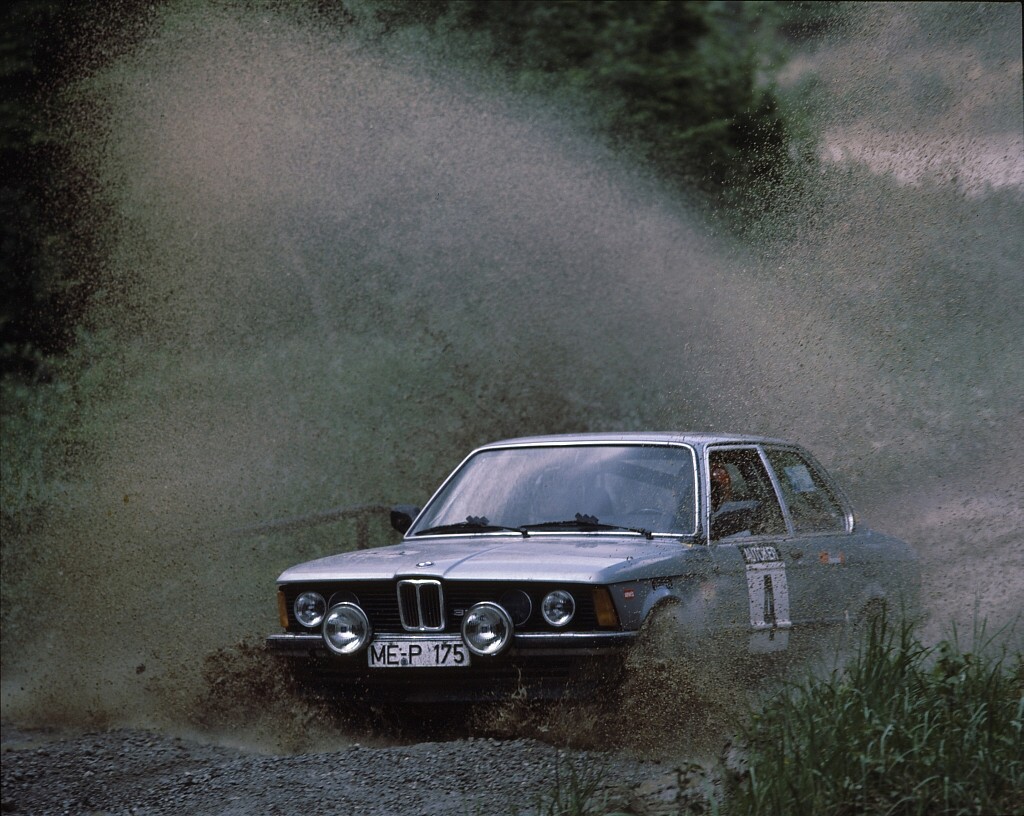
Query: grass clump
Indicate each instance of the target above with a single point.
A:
(903, 729)
(574, 792)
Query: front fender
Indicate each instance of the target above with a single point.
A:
(685, 601)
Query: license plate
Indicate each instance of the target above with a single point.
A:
(418, 652)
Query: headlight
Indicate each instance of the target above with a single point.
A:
(518, 605)
(486, 629)
(558, 607)
(309, 609)
(346, 629)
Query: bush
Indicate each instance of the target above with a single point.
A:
(683, 87)
(902, 729)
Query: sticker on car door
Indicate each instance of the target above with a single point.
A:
(767, 588)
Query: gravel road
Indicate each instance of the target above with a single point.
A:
(143, 772)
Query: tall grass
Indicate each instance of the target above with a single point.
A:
(903, 729)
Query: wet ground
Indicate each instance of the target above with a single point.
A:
(141, 772)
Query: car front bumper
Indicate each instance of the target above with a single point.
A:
(531, 643)
(540, 665)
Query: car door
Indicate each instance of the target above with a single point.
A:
(747, 531)
(830, 580)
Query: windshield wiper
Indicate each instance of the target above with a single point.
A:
(472, 524)
(584, 522)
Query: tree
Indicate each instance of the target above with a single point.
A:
(678, 83)
(45, 253)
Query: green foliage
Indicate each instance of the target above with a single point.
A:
(800, 20)
(683, 86)
(49, 428)
(577, 789)
(30, 427)
(903, 729)
(574, 791)
(47, 250)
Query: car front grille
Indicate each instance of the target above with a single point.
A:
(421, 605)
(430, 605)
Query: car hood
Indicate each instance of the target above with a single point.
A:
(580, 557)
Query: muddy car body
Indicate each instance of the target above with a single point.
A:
(540, 561)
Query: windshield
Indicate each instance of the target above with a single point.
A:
(568, 488)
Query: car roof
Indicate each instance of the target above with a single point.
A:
(694, 438)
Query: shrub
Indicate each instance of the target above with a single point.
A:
(903, 728)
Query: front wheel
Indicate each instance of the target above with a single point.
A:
(675, 685)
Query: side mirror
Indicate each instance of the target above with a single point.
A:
(402, 517)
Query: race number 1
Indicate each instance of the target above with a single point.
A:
(766, 587)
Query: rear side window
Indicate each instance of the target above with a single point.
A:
(812, 507)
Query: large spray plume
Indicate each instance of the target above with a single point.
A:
(332, 271)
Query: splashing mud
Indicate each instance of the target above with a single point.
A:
(332, 271)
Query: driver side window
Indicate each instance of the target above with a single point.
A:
(743, 501)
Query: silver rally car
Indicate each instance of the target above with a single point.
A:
(537, 563)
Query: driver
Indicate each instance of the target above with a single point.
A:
(726, 522)
(721, 486)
